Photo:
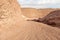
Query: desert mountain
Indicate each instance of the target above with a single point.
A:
(36, 13)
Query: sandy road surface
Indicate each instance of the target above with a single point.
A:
(30, 31)
(14, 27)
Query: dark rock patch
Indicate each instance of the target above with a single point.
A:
(53, 19)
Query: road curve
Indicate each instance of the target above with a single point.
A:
(30, 31)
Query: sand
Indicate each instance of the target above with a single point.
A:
(30, 31)
(15, 27)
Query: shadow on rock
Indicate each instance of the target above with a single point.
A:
(52, 19)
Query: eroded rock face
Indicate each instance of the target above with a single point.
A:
(53, 18)
(9, 17)
(9, 12)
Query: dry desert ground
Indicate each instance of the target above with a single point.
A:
(14, 27)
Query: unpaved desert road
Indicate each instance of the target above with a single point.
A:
(14, 27)
(30, 31)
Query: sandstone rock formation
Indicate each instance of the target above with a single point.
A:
(30, 12)
(53, 19)
(36, 13)
(14, 27)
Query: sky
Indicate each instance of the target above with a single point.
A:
(40, 3)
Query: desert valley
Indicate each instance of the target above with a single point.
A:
(14, 27)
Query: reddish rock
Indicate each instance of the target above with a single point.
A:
(53, 18)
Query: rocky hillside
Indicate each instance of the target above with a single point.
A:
(36, 13)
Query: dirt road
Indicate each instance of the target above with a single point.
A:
(30, 31)
(14, 27)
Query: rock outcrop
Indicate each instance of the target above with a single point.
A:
(53, 19)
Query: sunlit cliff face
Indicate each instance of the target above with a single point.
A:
(10, 13)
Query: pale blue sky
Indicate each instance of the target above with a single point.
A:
(40, 3)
